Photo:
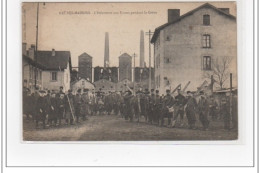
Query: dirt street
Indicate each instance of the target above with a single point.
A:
(115, 128)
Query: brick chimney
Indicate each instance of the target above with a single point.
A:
(24, 49)
(226, 10)
(31, 51)
(173, 14)
(53, 52)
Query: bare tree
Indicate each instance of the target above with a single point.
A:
(219, 70)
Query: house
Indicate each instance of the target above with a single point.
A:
(105, 85)
(58, 69)
(82, 84)
(188, 47)
(32, 70)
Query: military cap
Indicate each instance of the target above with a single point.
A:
(49, 91)
(146, 89)
(61, 87)
(157, 91)
(152, 90)
(168, 90)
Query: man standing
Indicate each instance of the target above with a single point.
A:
(179, 107)
(234, 111)
(69, 108)
(60, 107)
(146, 105)
(168, 102)
(129, 107)
(191, 109)
(52, 110)
(151, 115)
(84, 104)
(77, 104)
(203, 111)
(224, 111)
(212, 108)
(40, 113)
(158, 105)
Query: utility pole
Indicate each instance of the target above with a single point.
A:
(134, 55)
(36, 46)
(150, 70)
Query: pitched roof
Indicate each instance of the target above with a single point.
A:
(206, 5)
(85, 54)
(60, 60)
(125, 55)
(33, 62)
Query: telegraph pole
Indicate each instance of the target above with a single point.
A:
(134, 55)
(36, 46)
(150, 70)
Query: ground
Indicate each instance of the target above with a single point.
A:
(115, 128)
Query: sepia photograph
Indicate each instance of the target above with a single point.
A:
(129, 71)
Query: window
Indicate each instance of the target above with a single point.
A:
(206, 19)
(206, 41)
(206, 63)
(54, 76)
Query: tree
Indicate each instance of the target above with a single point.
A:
(219, 71)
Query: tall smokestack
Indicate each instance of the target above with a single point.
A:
(142, 49)
(106, 57)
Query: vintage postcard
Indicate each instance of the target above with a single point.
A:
(140, 71)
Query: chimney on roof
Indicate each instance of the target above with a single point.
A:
(31, 51)
(173, 14)
(53, 52)
(24, 48)
(226, 10)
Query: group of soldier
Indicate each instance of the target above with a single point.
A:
(156, 108)
(54, 108)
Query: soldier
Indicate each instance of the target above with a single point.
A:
(61, 90)
(213, 108)
(203, 111)
(40, 113)
(84, 104)
(77, 104)
(92, 103)
(158, 105)
(224, 111)
(151, 115)
(168, 102)
(179, 107)
(191, 109)
(60, 107)
(137, 106)
(26, 102)
(234, 111)
(69, 108)
(143, 103)
(146, 104)
(52, 107)
(129, 107)
(122, 104)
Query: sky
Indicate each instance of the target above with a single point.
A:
(63, 29)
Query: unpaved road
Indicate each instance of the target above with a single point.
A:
(115, 128)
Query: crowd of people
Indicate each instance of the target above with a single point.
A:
(57, 108)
